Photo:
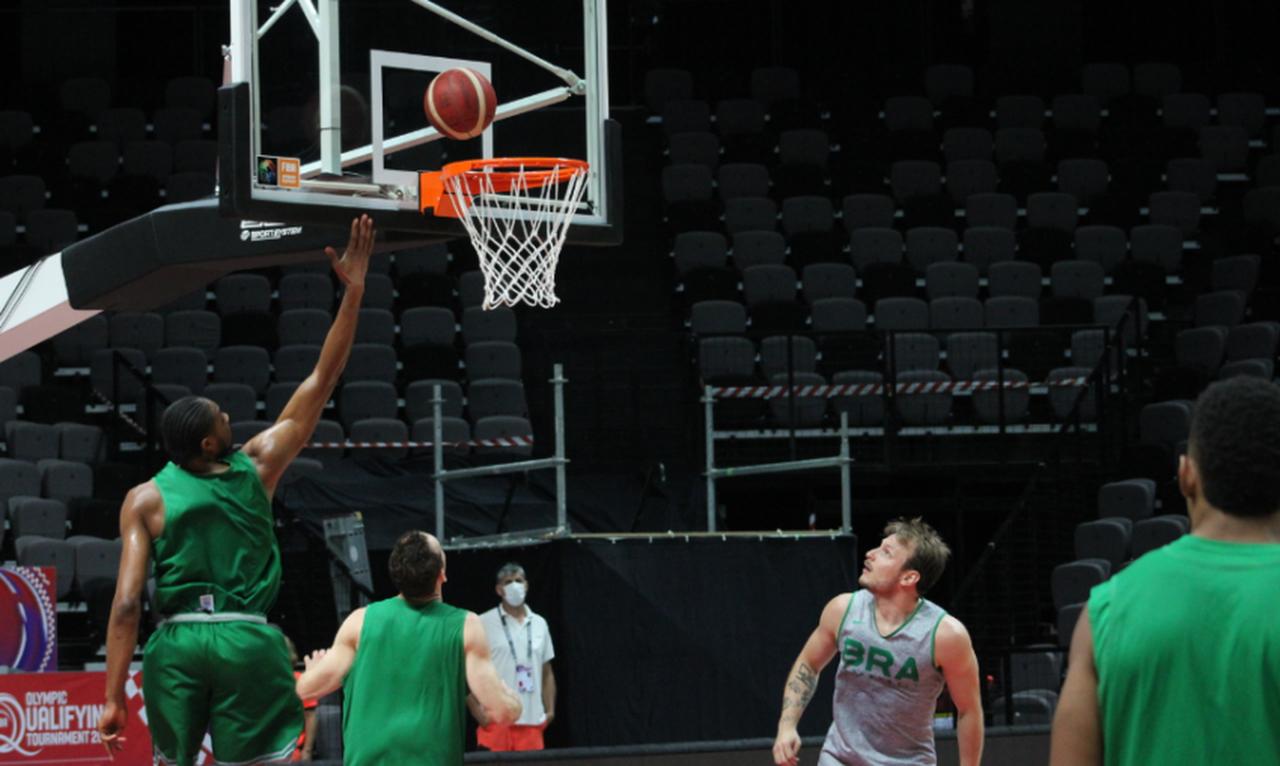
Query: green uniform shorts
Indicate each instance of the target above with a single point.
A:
(231, 679)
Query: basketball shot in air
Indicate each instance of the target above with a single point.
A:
(460, 103)
(518, 253)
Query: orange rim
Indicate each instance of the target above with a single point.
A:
(489, 175)
(537, 172)
(483, 176)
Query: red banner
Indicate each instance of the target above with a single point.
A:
(53, 718)
(29, 619)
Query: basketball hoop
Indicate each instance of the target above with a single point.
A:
(516, 211)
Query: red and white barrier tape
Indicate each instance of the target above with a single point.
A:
(103, 399)
(505, 441)
(868, 389)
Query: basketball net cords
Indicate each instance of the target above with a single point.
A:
(518, 253)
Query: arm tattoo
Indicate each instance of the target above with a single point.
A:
(800, 689)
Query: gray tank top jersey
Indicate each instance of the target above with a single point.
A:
(887, 689)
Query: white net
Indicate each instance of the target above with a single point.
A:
(517, 227)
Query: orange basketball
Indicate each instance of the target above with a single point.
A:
(460, 103)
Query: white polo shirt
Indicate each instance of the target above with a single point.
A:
(521, 631)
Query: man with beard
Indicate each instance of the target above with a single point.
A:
(895, 651)
(205, 519)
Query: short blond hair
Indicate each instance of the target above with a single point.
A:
(929, 553)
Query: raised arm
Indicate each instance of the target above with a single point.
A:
(326, 669)
(1077, 733)
(953, 651)
(803, 680)
(499, 704)
(126, 608)
(273, 449)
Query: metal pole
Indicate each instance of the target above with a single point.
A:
(330, 88)
(570, 79)
(437, 452)
(275, 16)
(1136, 317)
(846, 509)
(426, 135)
(708, 401)
(562, 510)
(791, 397)
(116, 360)
(890, 396)
(596, 71)
(1105, 389)
(1000, 413)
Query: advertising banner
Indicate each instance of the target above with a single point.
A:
(52, 718)
(29, 619)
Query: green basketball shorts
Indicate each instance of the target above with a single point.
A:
(230, 679)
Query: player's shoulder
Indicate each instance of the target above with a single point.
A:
(146, 492)
(143, 499)
(834, 612)
(474, 630)
(950, 632)
(848, 600)
(355, 620)
(479, 620)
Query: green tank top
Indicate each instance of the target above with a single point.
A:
(405, 695)
(218, 549)
(1187, 646)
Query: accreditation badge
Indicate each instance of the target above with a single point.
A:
(524, 679)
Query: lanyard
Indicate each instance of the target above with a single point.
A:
(528, 634)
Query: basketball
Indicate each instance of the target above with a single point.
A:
(460, 103)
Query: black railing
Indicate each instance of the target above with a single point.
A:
(145, 427)
(1003, 374)
(1057, 490)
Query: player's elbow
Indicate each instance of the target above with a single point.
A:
(968, 703)
(126, 609)
(515, 709)
(326, 375)
(969, 708)
(508, 712)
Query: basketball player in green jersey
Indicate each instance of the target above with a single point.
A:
(895, 650)
(406, 664)
(205, 520)
(1176, 658)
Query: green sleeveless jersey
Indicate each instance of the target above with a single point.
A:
(1187, 647)
(218, 550)
(406, 692)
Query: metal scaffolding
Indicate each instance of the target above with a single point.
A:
(556, 462)
(841, 461)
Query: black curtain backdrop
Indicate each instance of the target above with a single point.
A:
(675, 640)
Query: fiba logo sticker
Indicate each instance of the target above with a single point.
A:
(13, 725)
(28, 619)
(263, 231)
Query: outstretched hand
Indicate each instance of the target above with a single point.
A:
(354, 263)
